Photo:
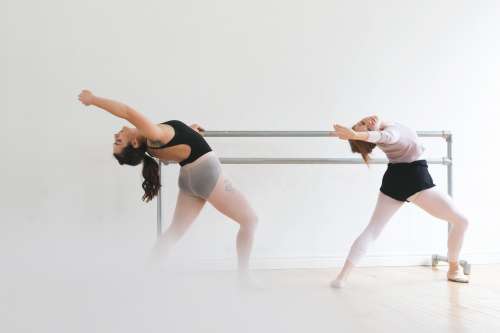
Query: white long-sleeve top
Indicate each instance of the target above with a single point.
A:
(399, 143)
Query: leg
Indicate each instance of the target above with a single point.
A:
(230, 202)
(442, 207)
(187, 209)
(386, 207)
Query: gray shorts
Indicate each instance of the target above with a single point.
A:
(200, 177)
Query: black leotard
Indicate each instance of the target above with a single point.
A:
(188, 136)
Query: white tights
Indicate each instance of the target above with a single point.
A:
(432, 201)
(227, 200)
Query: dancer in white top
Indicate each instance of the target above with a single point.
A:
(407, 179)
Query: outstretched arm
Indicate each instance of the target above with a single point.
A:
(120, 110)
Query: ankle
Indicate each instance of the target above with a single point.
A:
(453, 266)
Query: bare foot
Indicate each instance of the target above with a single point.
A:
(337, 284)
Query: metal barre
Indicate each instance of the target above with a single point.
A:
(447, 161)
(301, 134)
(284, 160)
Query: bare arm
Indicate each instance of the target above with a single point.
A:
(120, 110)
(386, 137)
(346, 133)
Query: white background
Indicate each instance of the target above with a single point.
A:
(243, 65)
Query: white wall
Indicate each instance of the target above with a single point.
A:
(247, 65)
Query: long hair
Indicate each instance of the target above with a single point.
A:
(362, 147)
(133, 156)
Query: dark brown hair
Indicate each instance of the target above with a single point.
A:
(362, 147)
(133, 156)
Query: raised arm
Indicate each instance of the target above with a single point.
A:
(346, 133)
(385, 136)
(120, 110)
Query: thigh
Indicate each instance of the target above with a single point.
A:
(384, 210)
(188, 207)
(230, 201)
(435, 203)
(386, 207)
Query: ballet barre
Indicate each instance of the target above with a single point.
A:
(446, 161)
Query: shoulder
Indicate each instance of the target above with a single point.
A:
(390, 126)
(167, 133)
(395, 128)
(401, 127)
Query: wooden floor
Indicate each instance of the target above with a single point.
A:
(386, 299)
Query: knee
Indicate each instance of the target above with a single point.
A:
(361, 243)
(462, 223)
(250, 223)
(458, 221)
(358, 249)
(253, 221)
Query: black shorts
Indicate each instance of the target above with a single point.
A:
(402, 180)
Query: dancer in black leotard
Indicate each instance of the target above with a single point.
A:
(200, 179)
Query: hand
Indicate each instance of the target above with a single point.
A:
(86, 97)
(197, 128)
(344, 133)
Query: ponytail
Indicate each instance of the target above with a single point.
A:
(362, 147)
(151, 184)
(134, 156)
